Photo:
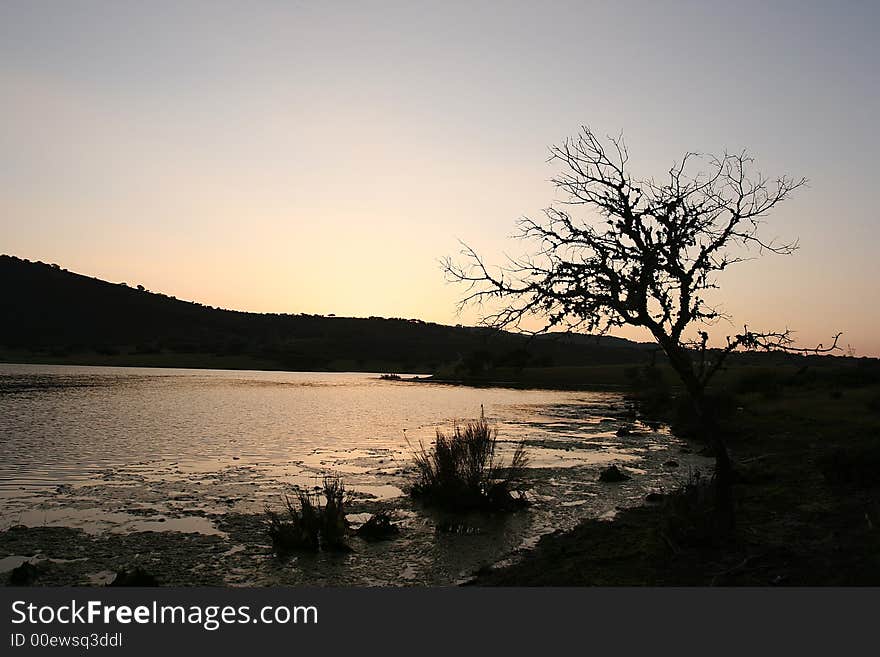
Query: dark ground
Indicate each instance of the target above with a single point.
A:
(808, 503)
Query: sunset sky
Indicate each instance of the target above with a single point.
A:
(322, 157)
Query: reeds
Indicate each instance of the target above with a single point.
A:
(462, 470)
(312, 525)
(689, 517)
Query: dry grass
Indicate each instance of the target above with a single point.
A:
(462, 470)
(312, 525)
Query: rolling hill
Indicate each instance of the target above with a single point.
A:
(49, 314)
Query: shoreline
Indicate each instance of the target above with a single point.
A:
(807, 496)
(808, 504)
(560, 484)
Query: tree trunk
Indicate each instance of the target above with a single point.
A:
(709, 432)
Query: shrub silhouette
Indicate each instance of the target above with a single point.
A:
(313, 526)
(463, 472)
(688, 518)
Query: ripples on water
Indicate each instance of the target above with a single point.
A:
(135, 449)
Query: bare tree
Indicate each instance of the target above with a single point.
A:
(647, 257)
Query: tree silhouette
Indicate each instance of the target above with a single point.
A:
(647, 258)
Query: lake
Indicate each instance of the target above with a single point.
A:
(187, 461)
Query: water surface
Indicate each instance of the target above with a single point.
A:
(124, 450)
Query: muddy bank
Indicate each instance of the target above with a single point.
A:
(210, 529)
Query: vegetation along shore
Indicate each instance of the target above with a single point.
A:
(806, 449)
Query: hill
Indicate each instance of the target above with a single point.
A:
(49, 314)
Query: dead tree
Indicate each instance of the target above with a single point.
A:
(646, 255)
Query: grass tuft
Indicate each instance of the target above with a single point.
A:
(463, 472)
(688, 517)
(312, 525)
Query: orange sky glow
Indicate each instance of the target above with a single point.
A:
(312, 159)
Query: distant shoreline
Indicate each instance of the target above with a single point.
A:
(177, 361)
(404, 377)
(616, 377)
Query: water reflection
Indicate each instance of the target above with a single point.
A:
(134, 449)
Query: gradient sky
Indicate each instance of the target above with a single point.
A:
(321, 157)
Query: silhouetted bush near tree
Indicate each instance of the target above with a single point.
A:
(462, 471)
(688, 518)
(650, 387)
